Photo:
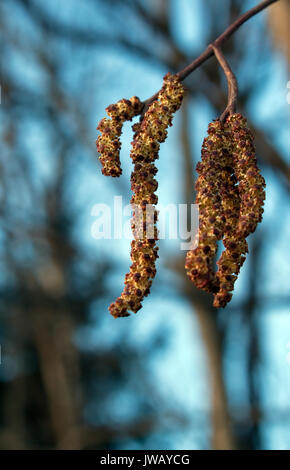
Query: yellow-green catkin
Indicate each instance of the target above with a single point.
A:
(108, 143)
(145, 147)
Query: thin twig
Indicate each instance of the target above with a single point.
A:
(232, 83)
(217, 43)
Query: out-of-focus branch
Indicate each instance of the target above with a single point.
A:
(88, 37)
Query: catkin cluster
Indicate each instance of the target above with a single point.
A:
(230, 193)
(108, 143)
(145, 147)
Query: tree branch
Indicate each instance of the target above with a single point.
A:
(232, 83)
(217, 43)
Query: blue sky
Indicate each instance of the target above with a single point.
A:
(181, 366)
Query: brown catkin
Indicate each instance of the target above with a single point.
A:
(232, 257)
(209, 186)
(251, 182)
(145, 146)
(108, 143)
(242, 205)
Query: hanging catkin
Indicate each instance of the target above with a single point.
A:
(199, 261)
(246, 207)
(230, 194)
(251, 182)
(232, 257)
(145, 146)
(108, 143)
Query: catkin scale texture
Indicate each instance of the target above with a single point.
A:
(145, 146)
(209, 188)
(230, 194)
(247, 199)
(251, 182)
(108, 143)
(232, 257)
(249, 196)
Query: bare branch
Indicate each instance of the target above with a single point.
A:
(232, 83)
(225, 36)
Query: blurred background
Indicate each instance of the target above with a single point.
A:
(179, 374)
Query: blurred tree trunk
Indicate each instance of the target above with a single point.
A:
(53, 335)
(279, 22)
(222, 437)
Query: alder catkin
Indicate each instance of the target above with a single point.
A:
(199, 261)
(251, 182)
(230, 194)
(242, 205)
(232, 257)
(108, 143)
(145, 146)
